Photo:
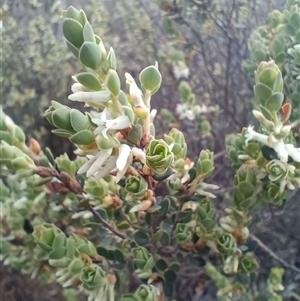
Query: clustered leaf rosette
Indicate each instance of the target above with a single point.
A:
(10, 132)
(206, 222)
(72, 258)
(279, 41)
(181, 164)
(15, 159)
(183, 233)
(158, 156)
(236, 222)
(248, 264)
(245, 189)
(71, 123)
(147, 293)
(94, 280)
(240, 153)
(135, 188)
(143, 293)
(144, 262)
(268, 157)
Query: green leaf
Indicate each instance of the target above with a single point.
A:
(112, 82)
(165, 239)
(185, 216)
(243, 279)
(291, 30)
(61, 133)
(170, 276)
(251, 245)
(118, 255)
(150, 79)
(274, 103)
(175, 267)
(61, 119)
(165, 206)
(72, 31)
(197, 260)
(263, 92)
(265, 112)
(295, 19)
(78, 120)
(268, 77)
(161, 265)
(73, 13)
(141, 238)
(135, 134)
(88, 33)
(89, 80)
(168, 289)
(84, 137)
(90, 55)
(111, 58)
(161, 177)
(260, 55)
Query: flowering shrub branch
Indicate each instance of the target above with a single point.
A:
(100, 217)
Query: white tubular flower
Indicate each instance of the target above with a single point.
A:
(153, 114)
(94, 163)
(94, 98)
(181, 70)
(103, 163)
(283, 150)
(203, 186)
(105, 125)
(77, 87)
(262, 119)
(134, 91)
(293, 152)
(137, 152)
(123, 162)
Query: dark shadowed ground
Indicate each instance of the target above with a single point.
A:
(17, 287)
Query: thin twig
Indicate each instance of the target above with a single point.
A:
(272, 254)
(75, 187)
(105, 223)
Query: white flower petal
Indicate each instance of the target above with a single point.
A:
(293, 152)
(281, 151)
(98, 97)
(104, 171)
(87, 165)
(137, 152)
(101, 158)
(124, 153)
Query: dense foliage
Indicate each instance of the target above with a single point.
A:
(133, 201)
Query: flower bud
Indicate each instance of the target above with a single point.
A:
(34, 146)
(205, 163)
